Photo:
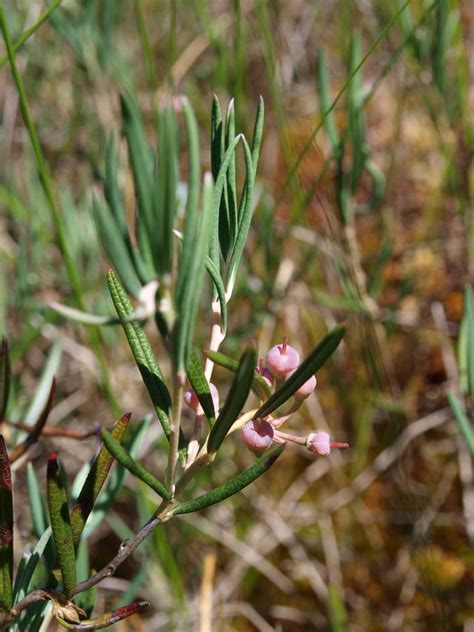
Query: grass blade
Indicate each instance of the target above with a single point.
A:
(95, 481)
(235, 401)
(307, 368)
(6, 531)
(231, 487)
(61, 524)
(127, 461)
(23, 579)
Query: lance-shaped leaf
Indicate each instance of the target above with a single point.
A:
(107, 619)
(200, 386)
(115, 246)
(307, 368)
(231, 487)
(219, 184)
(235, 401)
(141, 160)
(6, 531)
(187, 256)
(161, 229)
(94, 481)
(4, 376)
(259, 385)
(127, 461)
(143, 353)
(245, 218)
(190, 281)
(219, 290)
(61, 524)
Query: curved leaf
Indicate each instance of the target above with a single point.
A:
(307, 368)
(125, 459)
(220, 290)
(231, 487)
(94, 482)
(6, 530)
(200, 386)
(235, 401)
(61, 524)
(143, 353)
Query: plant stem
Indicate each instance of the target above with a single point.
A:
(29, 32)
(175, 425)
(48, 191)
(125, 550)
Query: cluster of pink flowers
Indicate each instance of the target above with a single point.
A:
(258, 434)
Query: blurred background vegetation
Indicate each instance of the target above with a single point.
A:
(364, 215)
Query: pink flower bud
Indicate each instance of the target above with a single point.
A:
(191, 400)
(265, 373)
(257, 435)
(306, 389)
(281, 359)
(320, 443)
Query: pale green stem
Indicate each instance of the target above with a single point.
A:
(175, 425)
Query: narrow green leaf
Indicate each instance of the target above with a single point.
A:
(259, 385)
(141, 159)
(245, 218)
(114, 198)
(230, 190)
(35, 497)
(6, 531)
(307, 368)
(462, 421)
(219, 184)
(194, 181)
(61, 524)
(200, 386)
(4, 377)
(231, 487)
(235, 401)
(23, 578)
(220, 290)
(356, 115)
(257, 135)
(115, 479)
(143, 353)
(95, 481)
(469, 319)
(217, 138)
(322, 77)
(161, 229)
(128, 462)
(192, 283)
(115, 246)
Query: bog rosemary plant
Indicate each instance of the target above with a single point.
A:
(178, 248)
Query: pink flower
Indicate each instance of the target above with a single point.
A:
(320, 443)
(257, 435)
(306, 389)
(191, 400)
(281, 359)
